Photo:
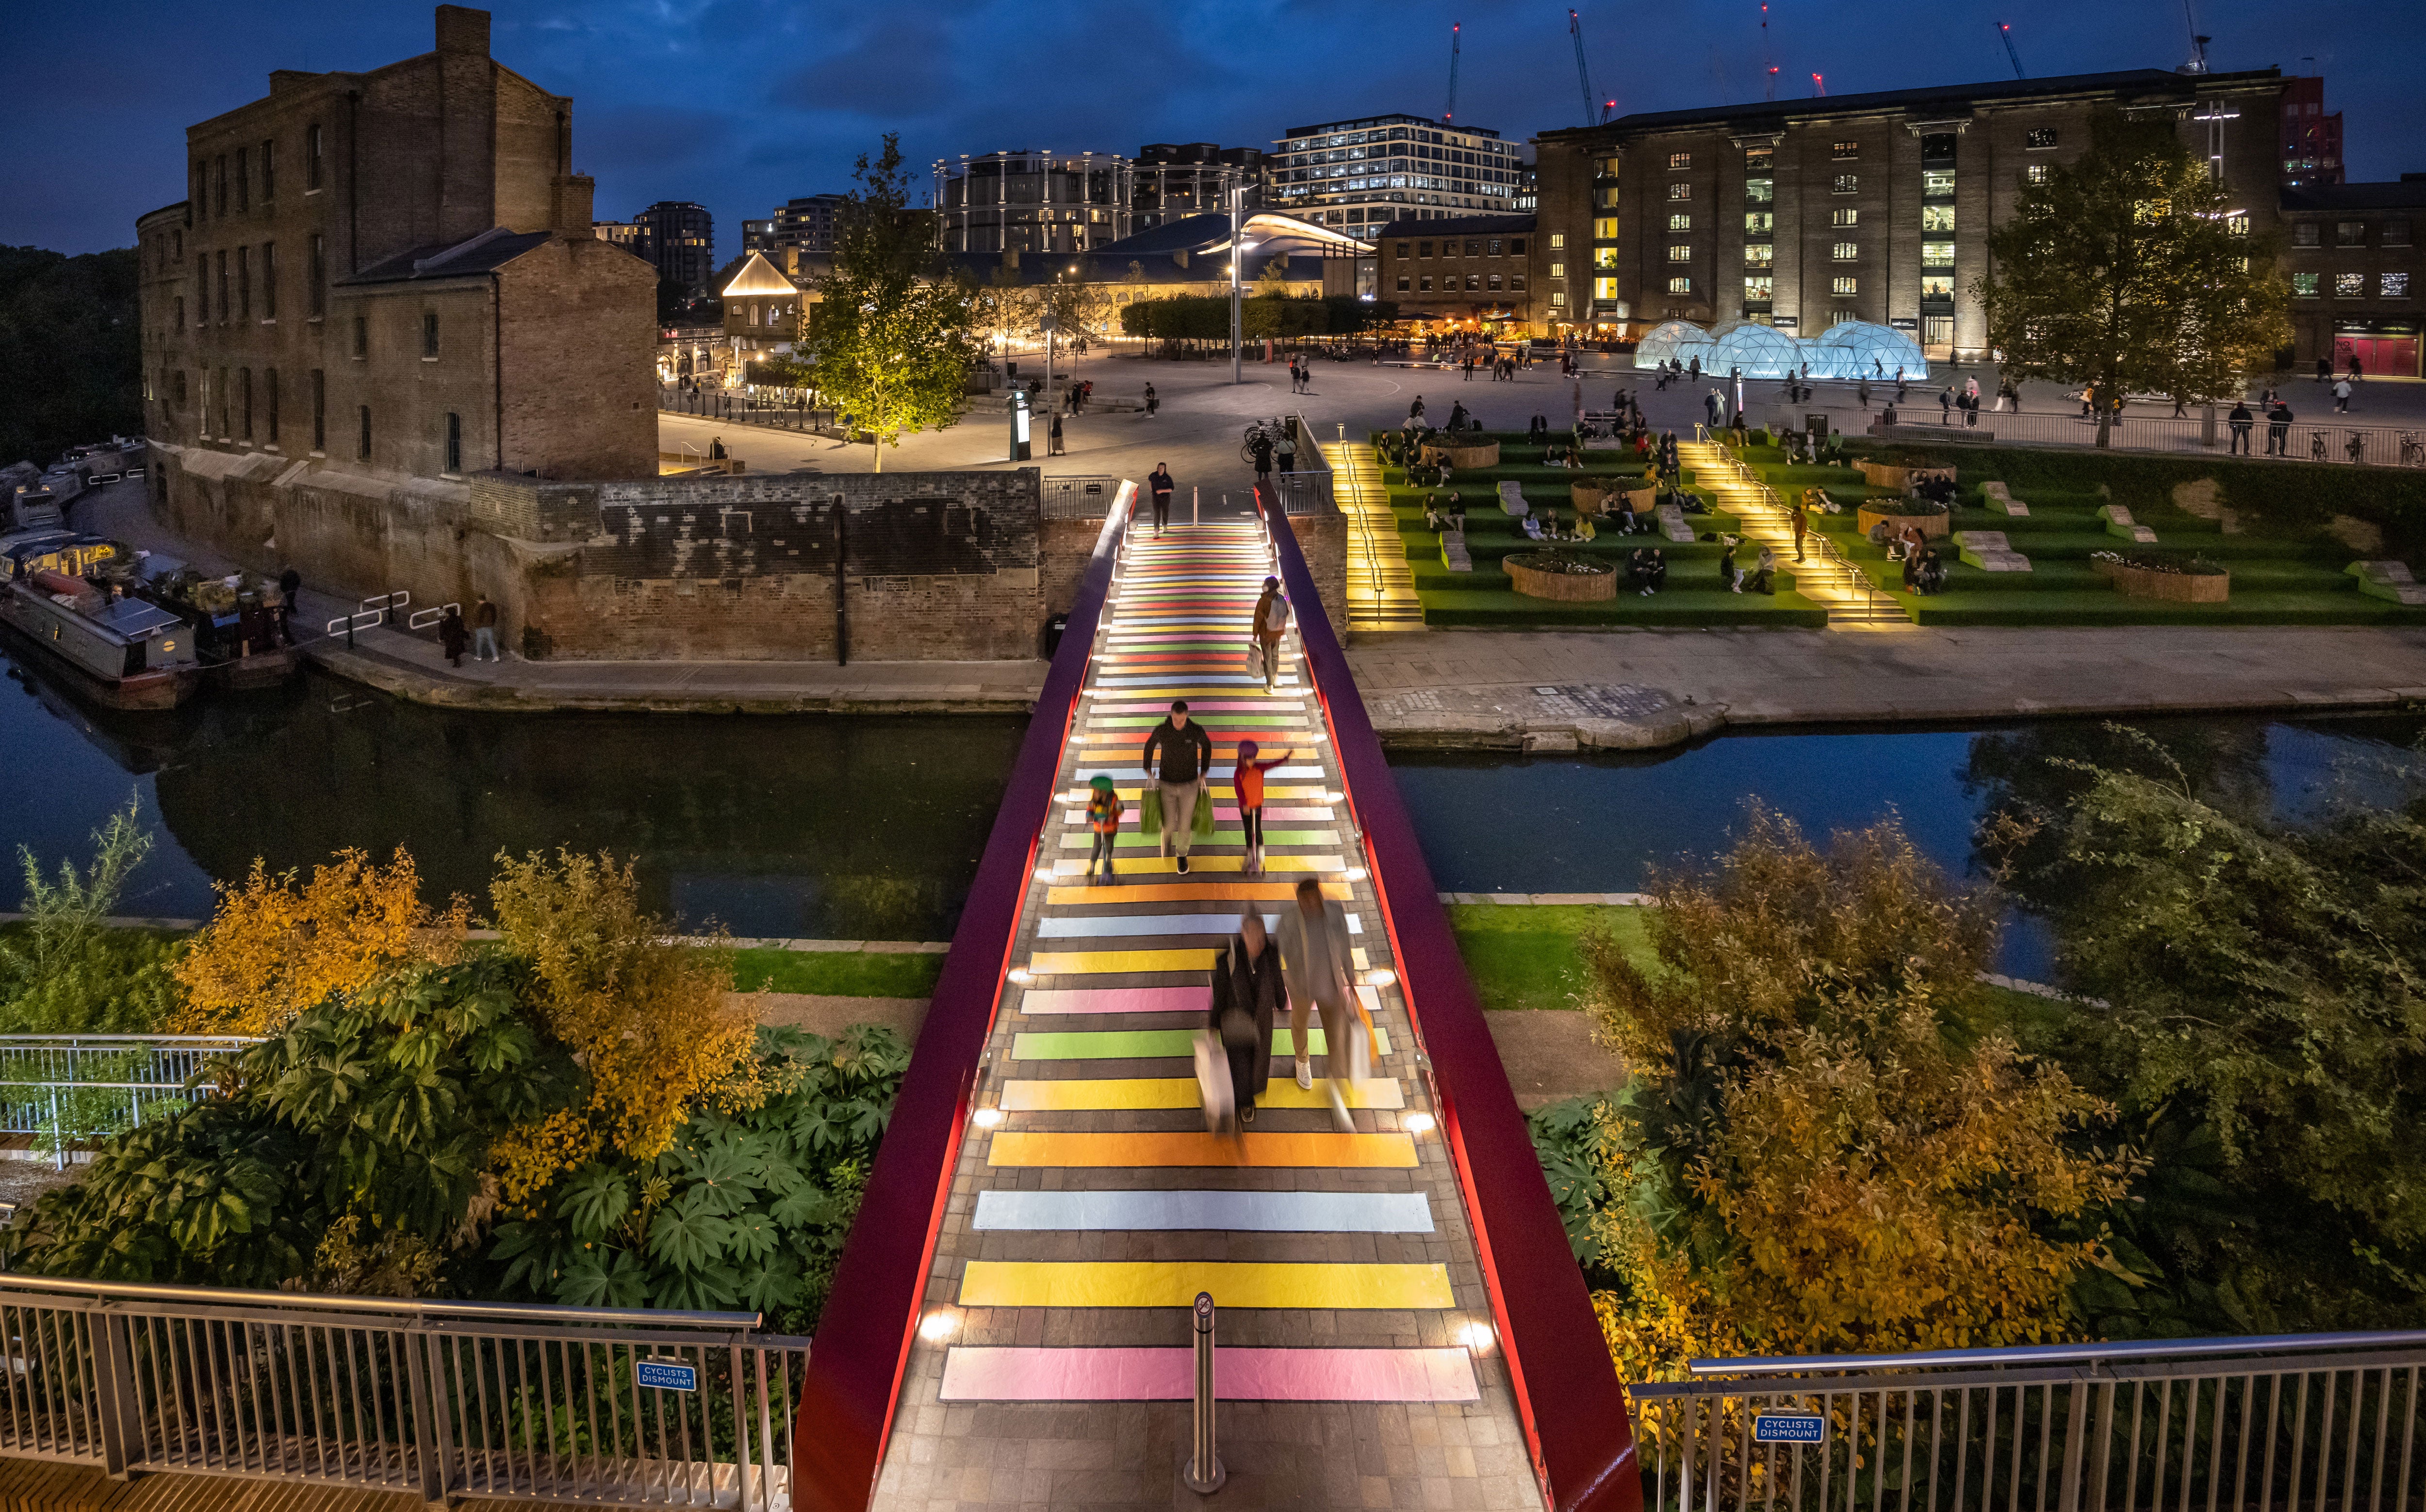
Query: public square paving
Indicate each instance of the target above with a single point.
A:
(1357, 1366)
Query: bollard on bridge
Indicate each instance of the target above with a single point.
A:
(1205, 1474)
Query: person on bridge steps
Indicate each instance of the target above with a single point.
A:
(1160, 481)
(1187, 755)
(1315, 961)
(1248, 993)
(1271, 627)
(1104, 818)
(1247, 782)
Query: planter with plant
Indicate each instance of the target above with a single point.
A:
(1565, 577)
(2176, 577)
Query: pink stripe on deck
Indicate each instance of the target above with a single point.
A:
(1005, 1375)
(1115, 1000)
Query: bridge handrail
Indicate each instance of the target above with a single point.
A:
(2063, 1354)
(1578, 1434)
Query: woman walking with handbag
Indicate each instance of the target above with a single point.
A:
(1248, 993)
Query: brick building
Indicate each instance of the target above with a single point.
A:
(1468, 271)
(393, 275)
(1873, 207)
(2358, 280)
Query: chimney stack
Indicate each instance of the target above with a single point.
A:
(571, 213)
(462, 30)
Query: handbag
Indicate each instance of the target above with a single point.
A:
(1237, 1025)
(1360, 1041)
(1213, 1081)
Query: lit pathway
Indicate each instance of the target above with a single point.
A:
(1053, 1364)
(1380, 585)
(1826, 578)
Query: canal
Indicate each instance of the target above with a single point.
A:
(870, 828)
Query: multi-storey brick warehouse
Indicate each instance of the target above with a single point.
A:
(1465, 272)
(1871, 208)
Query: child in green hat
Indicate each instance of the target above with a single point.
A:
(1104, 817)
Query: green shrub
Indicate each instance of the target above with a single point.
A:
(63, 970)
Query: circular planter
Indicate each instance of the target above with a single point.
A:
(1566, 587)
(1481, 454)
(1891, 475)
(2174, 588)
(1935, 527)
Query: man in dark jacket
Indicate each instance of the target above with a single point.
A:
(1160, 481)
(1248, 996)
(1187, 755)
(2240, 420)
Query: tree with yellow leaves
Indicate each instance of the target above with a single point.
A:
(277, 946)
(1823, 1148)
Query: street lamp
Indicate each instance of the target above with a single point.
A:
(1237, 253)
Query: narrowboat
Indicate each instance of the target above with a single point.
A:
(234, 618)
(67, 597)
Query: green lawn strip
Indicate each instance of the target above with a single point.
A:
(1525, 956)
(838, 973)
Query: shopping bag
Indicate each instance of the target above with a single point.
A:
(1150, 809)
(1360, 1043)
(1213, 1081)
(1201, 823)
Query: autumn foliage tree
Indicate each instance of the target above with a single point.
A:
(1821, 1150)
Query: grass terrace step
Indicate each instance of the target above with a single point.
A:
(1675, 605)
(2066, 606)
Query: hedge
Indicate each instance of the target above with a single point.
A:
(1206, 317)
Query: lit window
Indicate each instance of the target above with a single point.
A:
(1605, 290)
(2043, 136)
(1937, 217)
(1757, 289)
(1843, 151)
(2350, 286)
(1680, 285)
(2236, 223)
(1558, 296)
(1605, 229)
(1680, 222)
(1494, 283)
(1848, 184)
(1846, 252)
(1558, 270)
(2350, 234)
(1603, 257)
(1680, 191)
(1845, 285)
(2305, 233)
(1758, 222)
(1680, 253)
(1757, 159)
(2304, 285)
(1757, 254)
(1937, 286)
(1844, 217)
(1558, 240)
(2035, 173)
(1938, 254)
(1680, 160)
(1760, 191)
(2393, 285)
(1936, 180)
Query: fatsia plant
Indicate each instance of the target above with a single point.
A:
(380, 1105)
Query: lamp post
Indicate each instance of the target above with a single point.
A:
(1238, 255)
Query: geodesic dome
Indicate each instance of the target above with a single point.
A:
(1858, 349)
(1761, 351)
(1672, 341)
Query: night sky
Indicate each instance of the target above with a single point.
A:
(741, 104)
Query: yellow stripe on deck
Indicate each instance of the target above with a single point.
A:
(1188, 1147)
(1085, 1094)
(1090, 963)
(1141, 865)
(1173, 1283)
(1191, 892)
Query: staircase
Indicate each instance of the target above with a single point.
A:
(1380, 585)
(1825, 577)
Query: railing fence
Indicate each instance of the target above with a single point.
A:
(63, 1088)
(1308, 490)
(1078, 498)
(2319, 440)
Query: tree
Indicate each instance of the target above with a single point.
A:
(71, 359)
(891, 334)
(1821, 1149)
(2131, 271)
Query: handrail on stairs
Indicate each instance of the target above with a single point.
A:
(1849, 575)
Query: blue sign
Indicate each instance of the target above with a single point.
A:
(667, 1376)
(1789, 1428)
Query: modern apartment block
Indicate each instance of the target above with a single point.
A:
(392, 273)
(1360, 175)
(679, 237)
(807, 223)
(1875, 207)
(1033, 202)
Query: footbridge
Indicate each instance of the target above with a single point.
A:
(1402, 1322)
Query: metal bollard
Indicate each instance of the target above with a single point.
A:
(1205, 1474)
(1196, 506)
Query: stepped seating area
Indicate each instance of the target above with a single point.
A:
(1483, 595)
(2276, 579)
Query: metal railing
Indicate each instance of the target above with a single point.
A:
(2313, 440)
(775, 409)
(62, 1088)
(1307, 488)
(1078, 498)
(595, 1406)
(2323, 1423)
(1840, 571)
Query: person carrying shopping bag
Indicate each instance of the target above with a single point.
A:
(1185, 755)
(1315, 963)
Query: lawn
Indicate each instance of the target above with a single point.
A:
(838, 973)
(1525, 956)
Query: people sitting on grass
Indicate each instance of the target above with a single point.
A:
(1646, 571)
(1533, 527)
(1762, 571)
(1730, 575)
(1924, 571)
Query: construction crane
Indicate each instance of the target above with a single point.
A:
(1449, 115)
(1594, 115)
(1819, 87)
(2197, 63)
(2005, 31)
(1767, 67)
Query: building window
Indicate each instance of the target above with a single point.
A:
(1680, 191)
(1844, 152)
(1680, 253)
(2350, 234)
(1757, 159)
(1758, 222)
(1492, 247)
(270, 404)
(1473, 248)
(320, 406)
(1558, 270)
(1424, 285)
(318, 274)
(219, 194)
(244, 283)
(1680, 285)
(1847, 184)
(1494, 284)
(1757, 255)
(1403, 249)
(311, 157)
(1474, 283)
(2350, 286)
(1605, 290)
(227, 401)
(2396, 233)
(1760, 191)
(1517, 282)
(1423, 249)
(1558, 296)
(2305, 233)
(454, 441)
(244, 178)
(178, 387)
(1757, 289)
(268, 170)
(1846, 252)
(1844, 217)
(362, 337)
(1557, 241)
(1605, 229)
(269, 281)
(1605, 166)
(2304, 285)
(1937, 217)
(1403, 283)
(2040, 137)
(1680, 222)
(1937, 184)
(181, 311)
(2393, 285)
(1843, 285)
(363, 432)
(1605, 257)
(1516, 247)
(244, 399)
(1678, 161)
(429, 330)
(1937, 286)
(1938, 254)
(2035, 173)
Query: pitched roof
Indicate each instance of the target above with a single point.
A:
(757, 276)
(488, 251)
